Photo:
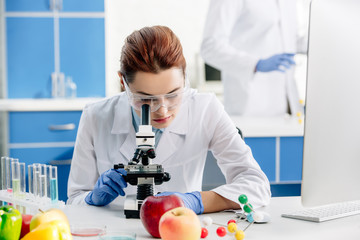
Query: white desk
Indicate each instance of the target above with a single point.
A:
(279, 228)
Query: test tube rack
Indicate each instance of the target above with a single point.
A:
(29, 202)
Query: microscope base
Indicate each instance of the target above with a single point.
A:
(132, 207)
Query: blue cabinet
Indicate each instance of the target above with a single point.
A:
(27, 6)
(279, 157)
(291, 155)
(70, 41)
(82, 45)
(263, 150)
(49, 5)
(47, 138)
(30, 56)
(82, 5)
(43, 127)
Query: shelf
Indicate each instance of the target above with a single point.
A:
(45, 104)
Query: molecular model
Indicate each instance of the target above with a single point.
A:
(249, 214)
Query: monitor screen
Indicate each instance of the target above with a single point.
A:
(331, 159)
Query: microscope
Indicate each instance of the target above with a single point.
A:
(140, 170)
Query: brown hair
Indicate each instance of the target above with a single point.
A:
(151, 49)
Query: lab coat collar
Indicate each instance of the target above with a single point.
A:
(180, 124)
(174, 136)
(122, 123)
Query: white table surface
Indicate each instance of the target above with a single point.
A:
(278, 228)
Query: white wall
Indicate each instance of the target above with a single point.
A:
(185, 17)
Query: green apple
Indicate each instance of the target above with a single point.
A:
(10, 223)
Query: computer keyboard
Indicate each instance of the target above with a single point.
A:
(326, 212)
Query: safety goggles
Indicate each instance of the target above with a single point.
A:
(169, 101)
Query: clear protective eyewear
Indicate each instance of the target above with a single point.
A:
(169, 101)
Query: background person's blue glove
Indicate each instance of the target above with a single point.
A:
(191, 200)
(109, 185)
(278, 62)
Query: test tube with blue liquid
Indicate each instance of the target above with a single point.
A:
(53, 184)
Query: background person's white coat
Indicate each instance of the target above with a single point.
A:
(106, 137)
(240, 32)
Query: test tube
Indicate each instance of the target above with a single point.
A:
(22, 185)
(48, 183)
(30, 180)
(15, 174)
(54, 184)
(22, 179)
(8, 174)
(3, 173)
(44, 181)
(40, 178)
(36, 175)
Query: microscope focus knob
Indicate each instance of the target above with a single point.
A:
(166, 177)
(151, 153)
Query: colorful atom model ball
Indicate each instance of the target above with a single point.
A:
(232, 227)
(207, 221)
(250, 217)
(243, 199)
(204, 232)
(248, 208)
(231, 221)
(221, 231)
(239, 235)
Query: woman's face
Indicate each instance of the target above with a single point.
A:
(151, 84)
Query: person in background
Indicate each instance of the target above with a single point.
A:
(187, 125)
(253, 43)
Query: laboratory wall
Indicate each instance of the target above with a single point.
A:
(186, 18)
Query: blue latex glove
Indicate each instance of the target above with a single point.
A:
(278, 62)
(191, 200)
(109, 185)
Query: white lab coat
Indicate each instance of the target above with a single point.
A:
(240, 32)
(106, 137)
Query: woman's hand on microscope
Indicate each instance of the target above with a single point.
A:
(109, 185)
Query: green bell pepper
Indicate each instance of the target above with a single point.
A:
(10, 223)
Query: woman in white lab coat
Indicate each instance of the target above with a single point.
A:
(187, 125)
(240, 33)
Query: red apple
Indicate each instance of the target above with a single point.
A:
(180, 224)
(154, 207)
(25, 226)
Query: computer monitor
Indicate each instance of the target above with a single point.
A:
(331, 159)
